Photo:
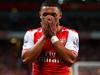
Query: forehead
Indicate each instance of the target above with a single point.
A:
(50, 9)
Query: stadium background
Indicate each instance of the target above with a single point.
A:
(16, 16)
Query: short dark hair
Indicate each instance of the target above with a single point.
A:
(51, 3)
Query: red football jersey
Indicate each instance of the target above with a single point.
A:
(48, 62)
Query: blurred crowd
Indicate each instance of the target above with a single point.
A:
(10, 61)
(15, 20)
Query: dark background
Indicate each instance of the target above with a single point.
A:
(17, 16)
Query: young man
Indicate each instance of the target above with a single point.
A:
(52, 48)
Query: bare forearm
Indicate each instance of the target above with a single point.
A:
(33, 53)
(64, 53)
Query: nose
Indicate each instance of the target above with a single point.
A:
(49, 17)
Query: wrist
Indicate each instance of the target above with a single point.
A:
(54, 39)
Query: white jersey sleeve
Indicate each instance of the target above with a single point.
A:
(72, 41)
(28, 41)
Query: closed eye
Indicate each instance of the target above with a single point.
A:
(52, 14)
(45, 14)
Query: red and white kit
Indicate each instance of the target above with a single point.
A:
(48, 62)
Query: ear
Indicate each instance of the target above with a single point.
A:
(40, 14)
(60, 15)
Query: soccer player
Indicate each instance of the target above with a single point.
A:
(52, 48)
